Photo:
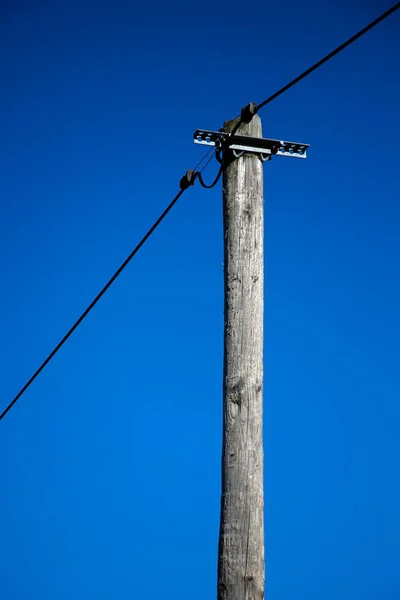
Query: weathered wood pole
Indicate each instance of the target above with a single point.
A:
(241, 538)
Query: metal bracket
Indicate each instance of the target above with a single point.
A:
(265, 147)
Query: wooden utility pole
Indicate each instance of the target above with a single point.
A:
(241, 537)
(242, 150)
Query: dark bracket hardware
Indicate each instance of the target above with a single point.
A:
(239, 144)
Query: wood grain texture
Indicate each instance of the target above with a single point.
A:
(241, 539)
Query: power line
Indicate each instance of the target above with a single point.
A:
(190, 179)
(95, 301)
(330, 55)
(318, 64)
(208, 162)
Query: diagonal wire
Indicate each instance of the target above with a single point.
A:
(321, 62)
(354, 38)
(203, 159)
(104, 289)
(92, 304)
(209, 160)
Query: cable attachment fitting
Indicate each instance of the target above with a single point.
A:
(248, 112)
(188, 179)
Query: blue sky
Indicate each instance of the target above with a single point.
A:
(110, 463)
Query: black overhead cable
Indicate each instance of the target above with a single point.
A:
(330, 55)
(318, 64)
(185, 183)
(188, 180)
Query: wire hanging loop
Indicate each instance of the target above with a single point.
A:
(214, 183)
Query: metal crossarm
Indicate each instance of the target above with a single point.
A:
(243, 143)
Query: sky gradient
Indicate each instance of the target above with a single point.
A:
(110, 463)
